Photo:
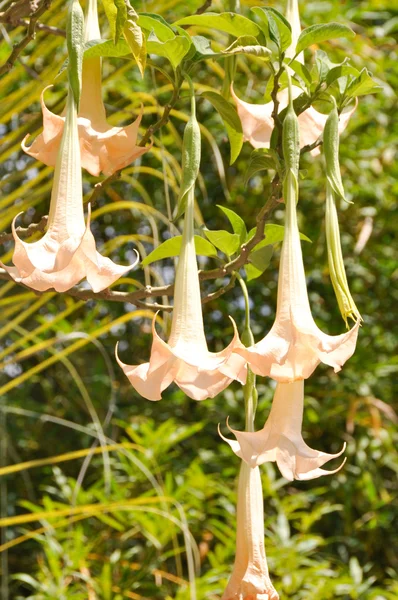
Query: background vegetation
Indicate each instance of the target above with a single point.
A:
(61, 392)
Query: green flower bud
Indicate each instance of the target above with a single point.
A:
(331, 151)
(291, 136)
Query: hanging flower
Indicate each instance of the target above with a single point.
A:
(66, 253)
(250, 578)
(256, 119)
(281, 441)
(103, 148)
(185, 359)
(295, 345)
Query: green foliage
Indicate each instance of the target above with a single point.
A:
(60, 391)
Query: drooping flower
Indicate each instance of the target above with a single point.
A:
(250, 578)
(295, 345)
(66, 253)
(256, 119)
(335, 189)
(185, 358)
(103, 148)
(281, 441)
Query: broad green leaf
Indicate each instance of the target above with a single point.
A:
(228, 22)
(201, 49)
(260, 160)
(223, 240)
(274, 26)
(248, 44)
(362, 85)
(231, 119)
(302, 72)
(111, 13)
(121, 18)
(172, 247)
(156, 23)
(343, 70)
(137, 43)
(174, 49)
(260, 258)
(75, 44)
(106, 48)
(238, 224)
(273, 235)
(321, 33)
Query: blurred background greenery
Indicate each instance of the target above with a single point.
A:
(61, 391)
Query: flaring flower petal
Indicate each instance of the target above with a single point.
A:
(280, 440)
(66, 253)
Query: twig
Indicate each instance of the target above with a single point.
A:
(30, 34)
(310, 147)
(39, 26)
(204, 7)
(25, 231)
(167, 290)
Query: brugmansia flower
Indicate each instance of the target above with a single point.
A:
(295, 345)
(103, 148)
(250, 579)
(256, 119)
(66, 253)
(281, 441)
(334, 188)
(185, 359)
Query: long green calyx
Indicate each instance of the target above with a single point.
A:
(331, 152)
(191, 149)
(75, 44)
(291, 151)
(335, 189)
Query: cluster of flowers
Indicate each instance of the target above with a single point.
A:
(288, 354)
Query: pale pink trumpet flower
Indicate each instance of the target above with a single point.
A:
(250, 578)
(295, 345)
(281, 441)
(66, 253)
(103, 148)
(256, 119)
(185, 358)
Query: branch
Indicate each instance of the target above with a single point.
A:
(30, 34)
(25, 231)
(147, 292)
(204, 7)
(39, 26)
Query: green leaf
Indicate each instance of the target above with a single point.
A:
(228, 22)
(273, 235)
(231, 120)
(223, 240)
(261, 258)
(343, 70)
(137, 43)
(201, 49)
(362, 85)
(156, 23)
(121, 18)
(260, 160)
(173, 49)
(238, 224)
(274, 26)
(75, 44)
(322, 32)
(111, 12)
(106, 48)
(172, 247)
(247, 44)
(302, 72)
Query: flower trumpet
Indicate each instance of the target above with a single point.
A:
(103, 148)
(295, 345)
(250, 579)
(185, 359)
(281, 441)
